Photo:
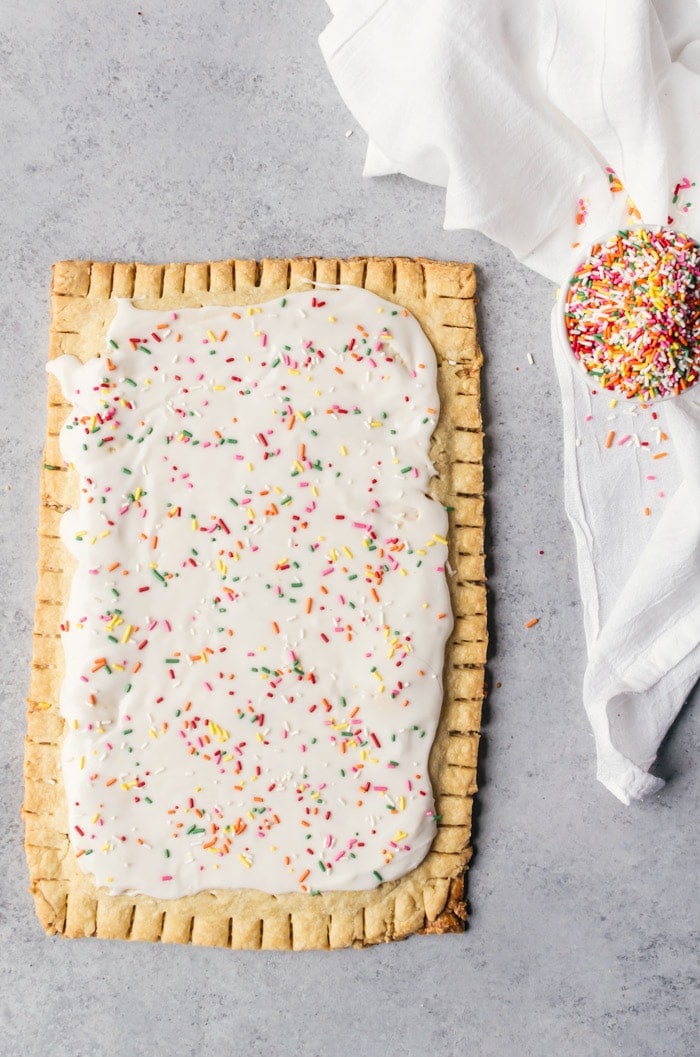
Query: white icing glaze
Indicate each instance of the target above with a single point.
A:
(221, 730)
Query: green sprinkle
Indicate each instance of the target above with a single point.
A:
(48, 466)
(113, 343)
(144, 349)
(378, 876)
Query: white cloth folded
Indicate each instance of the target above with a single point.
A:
(551, 123)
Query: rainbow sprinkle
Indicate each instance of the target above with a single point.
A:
(632, 313)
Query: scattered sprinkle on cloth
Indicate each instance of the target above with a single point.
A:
(552, 124)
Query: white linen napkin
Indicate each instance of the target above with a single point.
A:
(551, 123)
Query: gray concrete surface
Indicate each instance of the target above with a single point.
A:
(169, 130)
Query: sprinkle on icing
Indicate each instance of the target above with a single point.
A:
(255, 632)
(632, 313)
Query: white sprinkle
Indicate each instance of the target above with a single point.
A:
(530, 359)
(348, 134)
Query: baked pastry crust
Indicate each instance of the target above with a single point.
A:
(428, 899)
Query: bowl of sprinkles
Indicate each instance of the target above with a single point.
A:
(631, 313)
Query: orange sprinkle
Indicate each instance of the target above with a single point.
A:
(302, 877)
(110, 781)
(235, 315)
(374, 595)
(660, 455)
(113, 566)
(610, 438)
(531, 623)
(154, 543)
(275, 627)
(647, 511)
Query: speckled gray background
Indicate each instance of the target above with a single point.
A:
(182, 130)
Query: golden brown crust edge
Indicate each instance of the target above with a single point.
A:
(429, 899)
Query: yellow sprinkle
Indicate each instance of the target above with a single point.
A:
(218, 388)
(332, 319)
(298, 466)
(211, 334)
(203, 656)
(440, 539)
(195, 524)
(375, 425)
(82, 762)
(348, 552)
(246, 862)
(292, 370)
(343, 450)
(43, 705)
(314, 490)
(118, 667)
(153, 732)
(402, 803)
(400, 835)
